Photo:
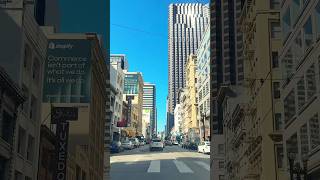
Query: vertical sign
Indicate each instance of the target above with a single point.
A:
(129, 99)
(60, 116)
(62, 134)
(67, 77)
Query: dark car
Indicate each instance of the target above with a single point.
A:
(116, 147)
(193, 146)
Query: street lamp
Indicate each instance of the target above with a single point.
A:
(296, 169)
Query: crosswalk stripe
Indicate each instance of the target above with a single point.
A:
(203, 164)
(183, 168)
(154, 166)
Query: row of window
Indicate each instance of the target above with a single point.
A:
(304, 92)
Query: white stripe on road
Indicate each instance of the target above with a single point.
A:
(203, 164)
(154, 166)
(183, 168)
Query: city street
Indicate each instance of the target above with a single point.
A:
(173, 163)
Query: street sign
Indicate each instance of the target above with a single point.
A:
(63, 114)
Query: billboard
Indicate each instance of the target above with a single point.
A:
(67, 75)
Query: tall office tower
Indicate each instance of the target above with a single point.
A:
(187, 23)
(149, 102)
(226, 67)
(120, 58)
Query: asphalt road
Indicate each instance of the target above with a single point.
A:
(173, 163)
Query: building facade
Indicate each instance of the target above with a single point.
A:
(299, 59)
(177, 119)
(226, 68)
(11, 99)
(120, 58)
(203, 85)
(192, 123)
(133, 87)
(187, 23)
(149, 102)
(87, 133)
(24, 47)
(117, 86)
(262, 41)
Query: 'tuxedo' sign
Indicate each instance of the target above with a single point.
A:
(61, 117)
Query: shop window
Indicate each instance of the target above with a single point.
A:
(311, 82)
(289, 106)
(314, 131)
(307, 34)
(221, 164)
(301, 93)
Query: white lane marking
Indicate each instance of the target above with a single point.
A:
(132, 162)
(203, 164)
(154, 166)
(183, 168)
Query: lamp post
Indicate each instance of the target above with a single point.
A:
(296, 169)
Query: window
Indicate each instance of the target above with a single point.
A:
(30, 148)
(274, 4)
(304, 140)
(278, 121)
(21, 141)
(280, 156)
(7, 127)
(307, 34)
(275, 60)
(275, 30)
(317, 16)
(221, 177)
(220, 149)
(292, 144)
(33, 107)
(288, 65)
(314, 131)
(276, 90)
(17, 175)
(295, 9)
(221, 164)
(289, 106)
(311, 82)
(301, 93)
(298, 49)
(286, 23)
(36, 70)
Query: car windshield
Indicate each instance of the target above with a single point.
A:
(156, 140)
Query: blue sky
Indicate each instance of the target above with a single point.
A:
(138, 28)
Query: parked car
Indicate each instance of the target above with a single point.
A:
(127, 144)
(168, 143)
(135, 142)
(204, 147)
(193, 146)
(175, 143)
(142, 143)
(156, 144)
(116, 147)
